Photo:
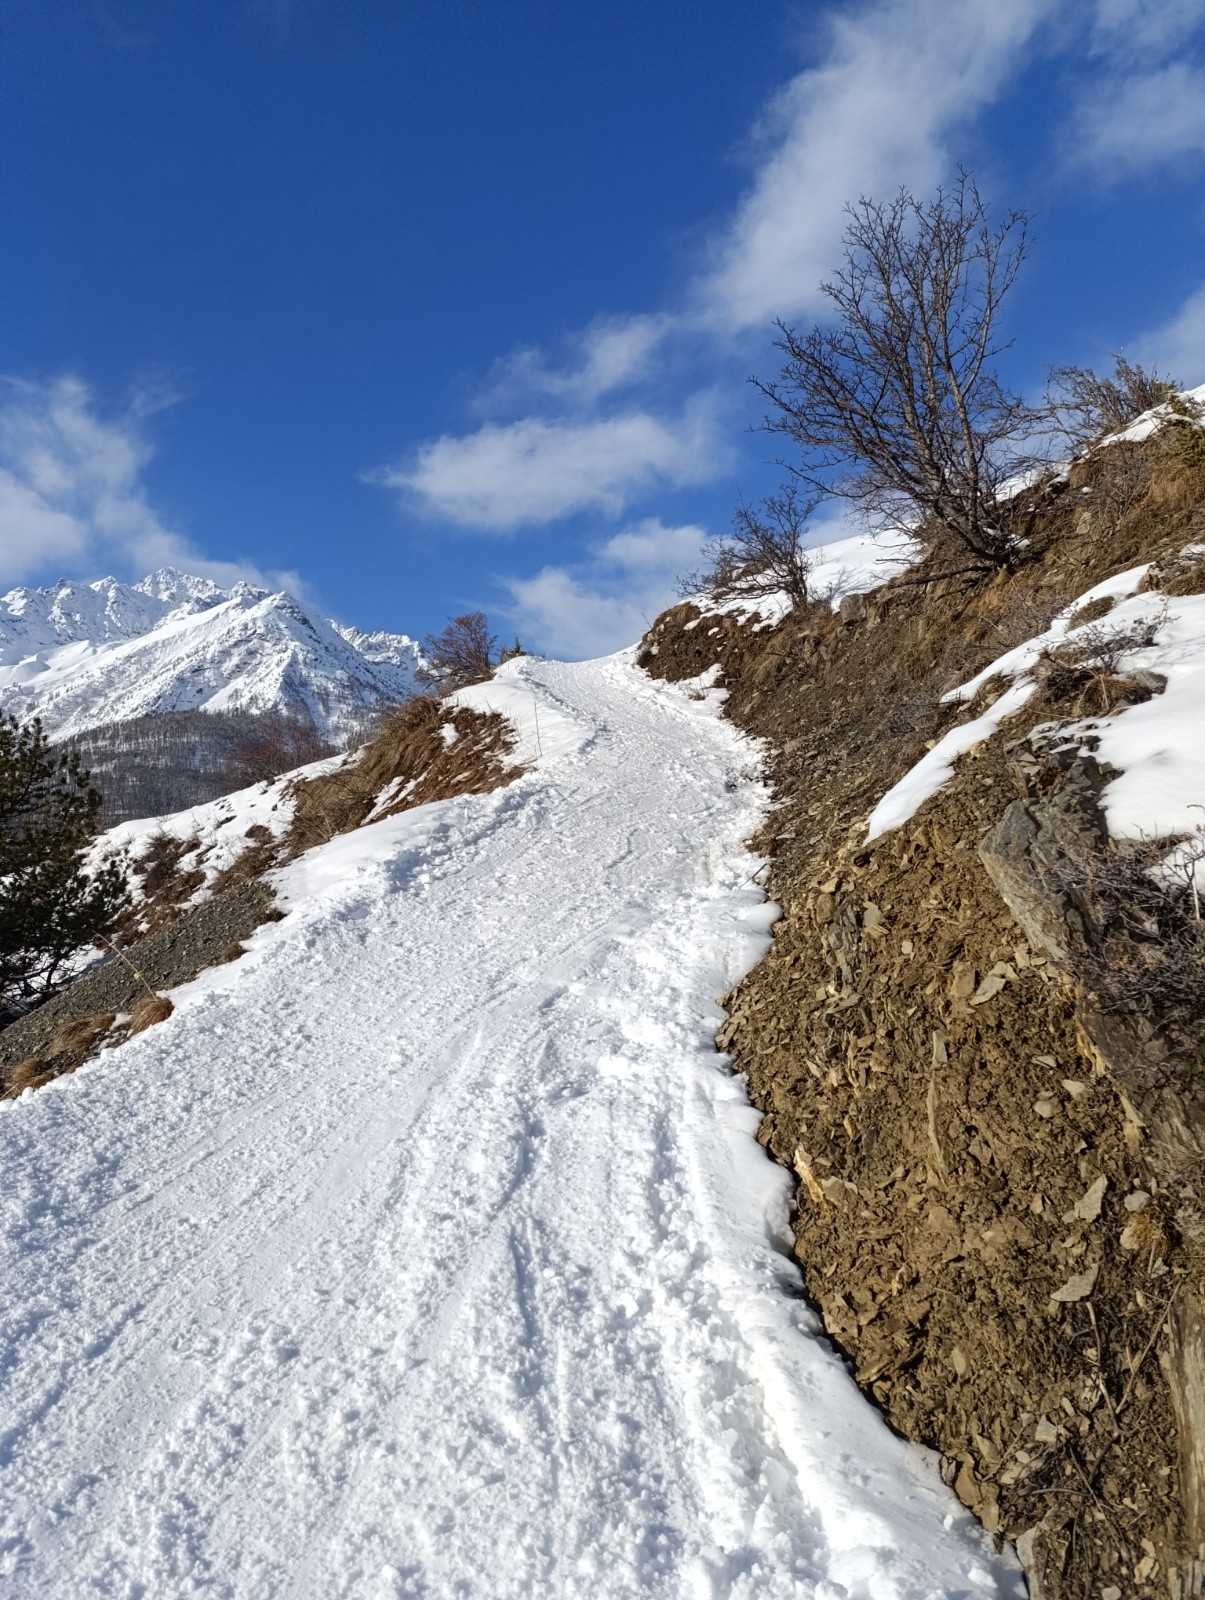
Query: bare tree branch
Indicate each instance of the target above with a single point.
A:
(896, 407)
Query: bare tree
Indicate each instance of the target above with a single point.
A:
(274, 744)
(1086, 406)
(465, 652)
(897, 407)
(764, 554)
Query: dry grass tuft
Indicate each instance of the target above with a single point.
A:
(29, 1074)
(1092, 612)
(167, 885)
(150, 1010)
(80, 1034)
(260, 856)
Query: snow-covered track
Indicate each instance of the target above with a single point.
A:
(428, 1250)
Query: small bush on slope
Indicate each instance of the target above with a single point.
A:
(465, 652)
(1086, 406)
(764, 554)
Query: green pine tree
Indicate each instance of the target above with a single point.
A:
(50, 905)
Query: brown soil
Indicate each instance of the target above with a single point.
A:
(962, 1155)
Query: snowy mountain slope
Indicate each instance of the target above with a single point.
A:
(428, 1249)
(80, 655)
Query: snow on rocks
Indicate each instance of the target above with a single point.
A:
(1164, 735)
(428, 1249)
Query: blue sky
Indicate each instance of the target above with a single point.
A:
(417, 307)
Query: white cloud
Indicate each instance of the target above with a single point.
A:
(896, 80)
(610, 354)
(1127, 123)
(71, 493)
(1153, 27)
(1178, 347)
(608, 601)
(534, 471)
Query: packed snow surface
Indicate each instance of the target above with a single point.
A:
(82, 654)
(428, 1250)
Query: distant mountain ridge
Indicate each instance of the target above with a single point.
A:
(80, 655)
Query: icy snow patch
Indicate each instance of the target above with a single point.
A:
(1160, 745)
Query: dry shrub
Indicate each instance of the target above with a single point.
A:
(1083, 676)
(465, 652)
(1101, 648)
(1145, 952)
(152, 1008)
(765, 554)
(1086, 405)
(231, 953)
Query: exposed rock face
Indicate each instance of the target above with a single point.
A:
(1028, 851)
(1159, 1068)
(998, 1166)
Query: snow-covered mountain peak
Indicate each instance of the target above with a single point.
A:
(178, 588)
(82, 654)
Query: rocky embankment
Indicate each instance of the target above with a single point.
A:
(990, 1105)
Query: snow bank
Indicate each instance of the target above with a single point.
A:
(1160, 744)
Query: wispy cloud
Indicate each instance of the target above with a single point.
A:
(1128, 123)
(612, 353)
(1129, 28)
(1178, 347)
(71, 491)
(605, 602)
(877, 111)
(534, 471)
